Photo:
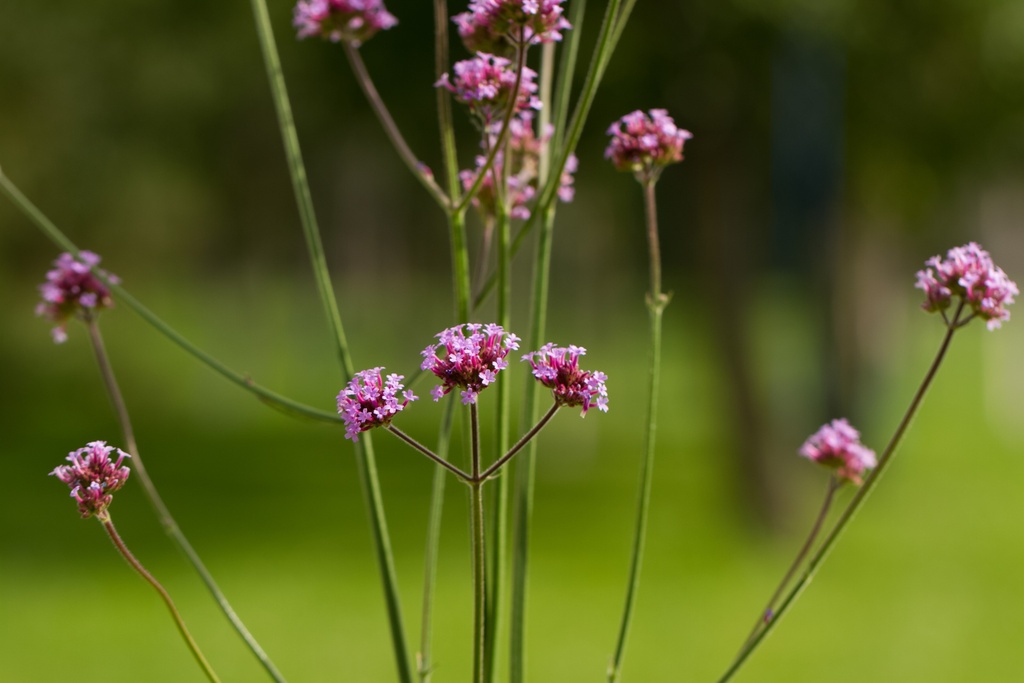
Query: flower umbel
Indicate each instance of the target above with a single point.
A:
(93, 477)
(484, 84)
(520, 22)
(837, 445)
(352, 21)
(968, 273)
(71, 289)
(370, 401)
(558, 369)
(468, 356)
(645, 144)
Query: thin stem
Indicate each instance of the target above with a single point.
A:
(415, 166)
(56, 236)
(364, 449)
(423, 658)
(163, 514)
(767, 614)
(855, 503)
(429, 453)
(656, 302)
(526, 438)
(477, 538)
(108, 526)
(444, 101)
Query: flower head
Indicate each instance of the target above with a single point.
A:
(353, 21)
(837, 445)
(468, 356)
(93, 477)
(520, 22)
(558, 369)
(645, 144)
(524, 148)
(968, 273)
(72, 289)
(485, 83)
(370, 401)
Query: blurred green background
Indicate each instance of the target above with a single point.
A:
(837, 145)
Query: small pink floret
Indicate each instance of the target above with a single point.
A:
(558, 369)
(520, 22)
(646, 143)
(352, 21)
(371, 401)
(72, 290)
(93, 477)
(485, 83)
(837, 445)
(468, 357)
(969, 274)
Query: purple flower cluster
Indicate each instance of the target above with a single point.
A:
(520, 22)
(93, 477)
(644, 144)
(558, 369)
(524, 151)
(353, 21)
(468, 357)
(485, 83)
(370, 401)
(968, 273)
(837, 445)
(71, 289)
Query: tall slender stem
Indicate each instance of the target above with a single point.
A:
(526, 438)
(108, 526)
(364, 449)
(167, 521)
(656, 302)
(479, 552)
(429, 453)
(415, 166)
(855, 503)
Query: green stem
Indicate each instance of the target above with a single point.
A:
(56, 236)
(444, 101)
(526, 438)
(415, 166)
(854, 504)
(364, 449)
(429, 453)
(656, 302)
(163, 514)
(479, 552)
(108, 526)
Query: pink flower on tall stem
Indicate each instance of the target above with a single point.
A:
(520, 22)
(71, 289)
(370, 401)
(485, 83)
(837, 445)
(352, 21)
(968, 273)
(469, 357)
(646, 143)
(93, 477)
(558, 369)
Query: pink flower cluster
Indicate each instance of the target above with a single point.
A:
(967, 272)
(524, 151)
(468, 357)
(370, 401)
(558, 369)
(485, 83)
(644, 144)
(520, 22)
(352, 21)
(837, 445)
(93, 477)
(71, 289)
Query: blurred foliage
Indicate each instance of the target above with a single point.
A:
(837, 144)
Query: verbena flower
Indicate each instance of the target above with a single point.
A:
(485, 83)
(93, 477)
(468, 357)
(72, 290)
(352, 21)
(558, 369)
(837, 445)
(520, 22)
(968, 273)
(370, 401)
(524, 149)
(646, 143)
